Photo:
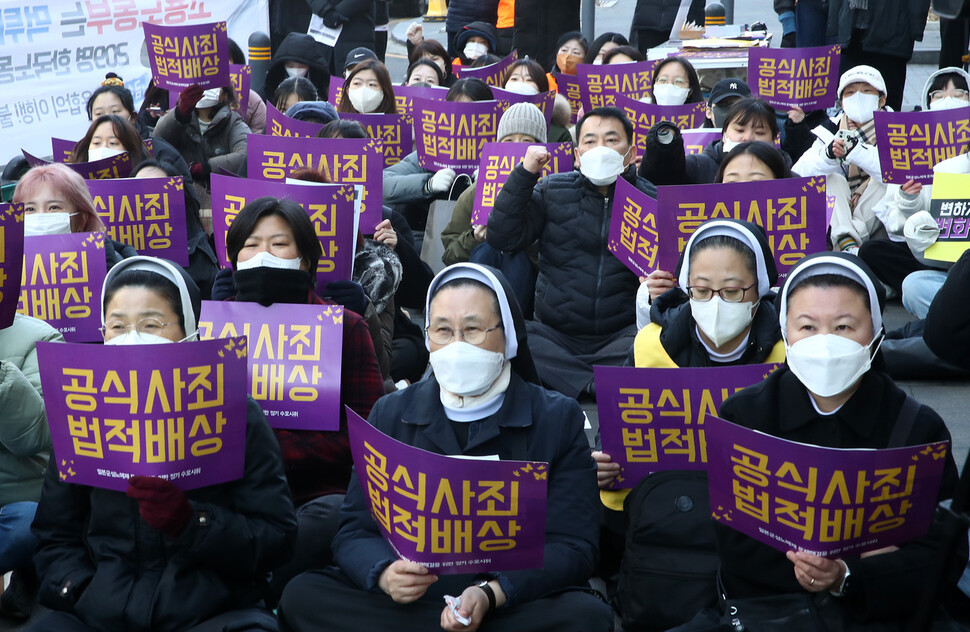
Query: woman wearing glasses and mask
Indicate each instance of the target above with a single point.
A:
(483, 399)
(156, 557)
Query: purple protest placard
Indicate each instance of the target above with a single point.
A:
(494, 75)
(545, 101)
(357, 161)
(951, 210)
(61, 149)
(654, 419)
(180, 56)
(335, 91)
(695, 140)
(279, 124)
(112, 167)
(404, 96)
(450, 135)
(825, 501)
(289, 376)
(569, 87)
(330, 207)
(148, 214)
(788, 77)
(11, 259)
(394, 131)
(175, 411)
(497, 524)
(497, 162)
(911, 143)
(646, 115)
(599, 85)
(633, 229)
(792, 211)
(61, 283)
(240, 76)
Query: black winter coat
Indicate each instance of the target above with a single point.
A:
(539, 24)
(659, 15)
(582, 288)
(886, 586)
(99, 561)
(947, 331)
(667, 164)
(293, 17)
(893, 25)
(464, 12)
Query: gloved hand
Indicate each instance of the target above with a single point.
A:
(223, 286)
(161, 504)
(332, 19)
(347, 293)
(441, 182)
(187, 102)
(199, 171)
(921, 231)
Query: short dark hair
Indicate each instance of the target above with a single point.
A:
(716, 242)
(629, 51)
(290, 212)
(696, 95)
(127, 101)
(766, 153)
(425, 62)
(302, 86)
(124, 131)
(150, 281)
(535, 71)
(474, 89)
(236, 55)
(752, 108)
(342, 128)
(433, 48)
(607, 111)
(940, 81)
(568, 36)
(599, 42)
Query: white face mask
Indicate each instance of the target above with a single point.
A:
(99, 153)
(266, 260)
(464, 369)
(521, 87)
(669, 94)
(135, 337)
(722, 321)
(948, 103)
(601, 165)
(727, 145)
(474, 50)
(296, 72)
(47, 224)
(365, 100)
(860, 107)
(827, 364)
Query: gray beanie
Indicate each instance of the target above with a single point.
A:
(523, 118)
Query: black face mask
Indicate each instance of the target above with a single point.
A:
(272, 285)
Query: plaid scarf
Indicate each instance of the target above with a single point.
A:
(859, 179)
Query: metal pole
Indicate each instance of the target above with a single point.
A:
(587, 17)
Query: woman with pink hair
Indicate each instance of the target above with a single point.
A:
(56, 200)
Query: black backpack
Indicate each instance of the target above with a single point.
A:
(670, 559)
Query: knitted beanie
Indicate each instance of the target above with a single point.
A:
(523, 118)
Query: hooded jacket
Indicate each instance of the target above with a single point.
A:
(223, 145)
(302, 48)
(582, 288)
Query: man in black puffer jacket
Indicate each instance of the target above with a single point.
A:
(584, 304)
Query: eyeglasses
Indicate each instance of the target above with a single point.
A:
(956, 93)
(727, 294)
(680, 82)
(143, 326)
(471, 335)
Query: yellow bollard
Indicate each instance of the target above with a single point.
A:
(436, 11)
